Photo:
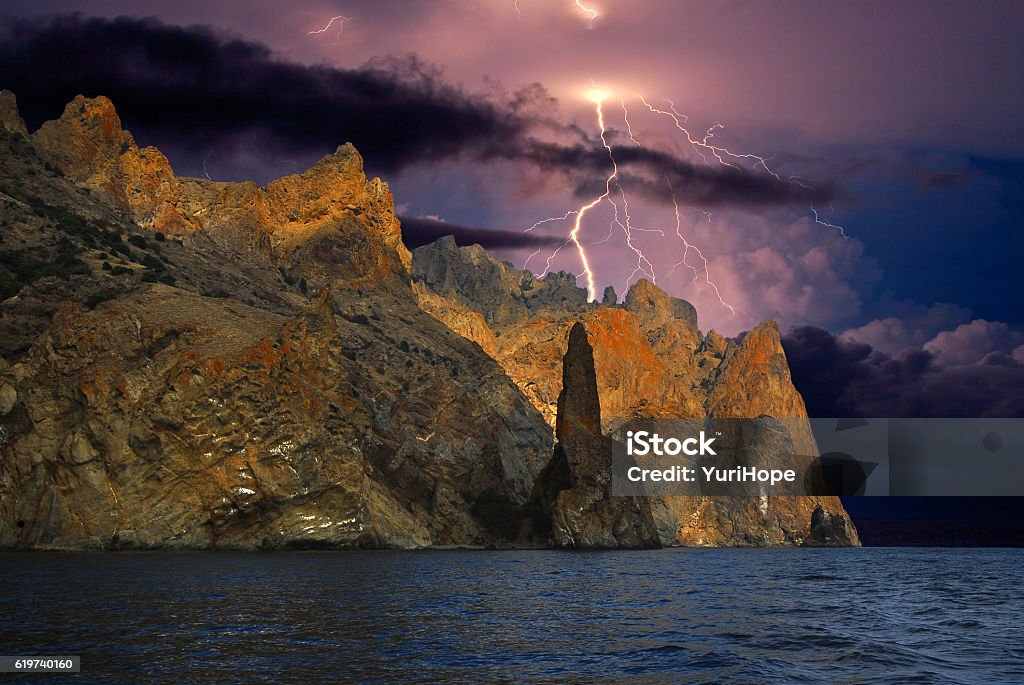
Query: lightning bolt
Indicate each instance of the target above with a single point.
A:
(706, 147)
(629, 127)
(687, 246)
(574, 234)
(727, 157)
(591, 13)
(702, 145)
(821, 222)
(643, 265)
(621, 216)
(327, 27)
(537, 251)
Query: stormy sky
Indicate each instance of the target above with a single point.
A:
(899, 122)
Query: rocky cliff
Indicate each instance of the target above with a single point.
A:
(193, 364)
(649, 360)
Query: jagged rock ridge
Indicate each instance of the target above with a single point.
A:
(650, 360)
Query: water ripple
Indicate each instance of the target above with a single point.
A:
(751, 616)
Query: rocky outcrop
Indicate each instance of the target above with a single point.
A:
(330, 213)
(88, 146)
(656, 309)
(263, 379)
(583, 512)
(609, 299)
(329, 224)
(830, 530)
(10, 120)
(168, 420)
(496, 290)
(650, 361)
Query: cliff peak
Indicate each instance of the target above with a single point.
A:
(99, 110)
(650, 302)
(754, 378)
(763, 344)
(300, 215)
(579, 407)
(89, 147)
(497, 290)
(345, 160)
(10, 119)
(89, 127)
(714, 344)
(446, 243)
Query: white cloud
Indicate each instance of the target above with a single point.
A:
(970, 342)
(912, 327)
(792, 271)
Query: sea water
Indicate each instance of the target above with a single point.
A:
(873, 615)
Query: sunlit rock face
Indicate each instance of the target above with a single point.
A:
(650, 361)
(330, 215)
(464, 321)
(257, 374)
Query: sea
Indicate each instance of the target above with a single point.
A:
(870, 615)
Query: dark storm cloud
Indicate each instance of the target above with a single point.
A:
(196, 89)
(196, 86)
(417, 232)
(839, 377)
(651, 172)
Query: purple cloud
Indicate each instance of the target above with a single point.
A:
(840, 377)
